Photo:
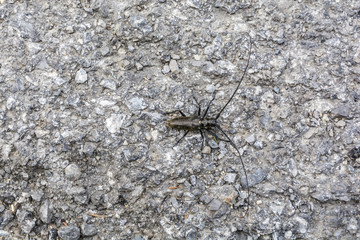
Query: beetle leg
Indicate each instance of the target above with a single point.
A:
(216, 137)
(197, 103)
(202, 139)
(182, 114)
(179, 111)
(208, 107)
(181, 138)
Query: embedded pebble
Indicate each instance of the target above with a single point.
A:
(259, 144)
(89, 148)
(73, 171)
(173, 66)
(165, 69)
(26, 219)
(114, 122)
(69, 29)
(81, 76)
(255, 177)
(137, 104)
(193, 180)
(210, 88)
(87, 37)
(110, 84)
(206, 150)
(89, 230)
(45, 212)
(4, 233)
(215, 205)
(250, 139)
(10, 103)
(69, 232)
(230, 177)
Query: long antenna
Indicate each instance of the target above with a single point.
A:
(247, 65)
(242, 163)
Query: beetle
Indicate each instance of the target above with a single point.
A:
(200, 122)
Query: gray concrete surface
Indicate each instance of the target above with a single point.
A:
(85, 151)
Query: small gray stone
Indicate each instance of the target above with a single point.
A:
(26, 219)
(222, 211)
(259, 144)
(81, 76)
(250, 138)
(288, 234)
(73, 171)
(37, 195)
(52, 234)
(33, 47)
(69, 233)
(76, 190)
(352, 227)
(215, 205)
(7, 217)
(27, 30)
(141, 23)
(206, 150)
(73, 100)
(206, 198)
(188, 196)
(89, 148)
(105, 50)
(342, 111)
(276, 89)
(213, 145)
(137, 104)
(230, 177)
(174, 202)
(292, 168)
(69, 29)
(138, 21)
(301, 224)
(166, 69)
(131, 48)
(106, 103)
(173, 66)
(192, 234)
(265, 121)
(45, 212)
(10, 103)
(193, 180)
(223, 67)
(27, 225)
(138, 66)
(210, 88)
(341, 123)
(138, 237)
(254, 178)
(6, 149)
(87, 37)
(89, 230)
(114, 122)
(110, 84)
(4, 233)
(175, 56)
(310, 133)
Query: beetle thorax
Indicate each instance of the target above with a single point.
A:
(208, 123)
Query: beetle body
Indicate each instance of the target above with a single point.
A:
(192, 123)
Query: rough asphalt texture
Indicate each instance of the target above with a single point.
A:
(85, 91)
